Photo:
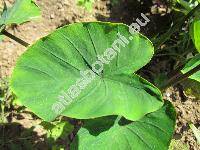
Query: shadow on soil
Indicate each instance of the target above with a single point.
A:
(127, 11)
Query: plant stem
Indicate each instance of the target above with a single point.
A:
(177, 79)
(18, 40)
(176, 72)
(2, 112)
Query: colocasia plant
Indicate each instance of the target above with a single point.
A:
(118, 108)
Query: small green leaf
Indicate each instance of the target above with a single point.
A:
(57, 133)
(60, 130)
(191, 88)
(88, 4)
(196, 132)
(17, 102)
(22, 11)
(194, 62)
(62, 62)
(195, 33)
(152, 132)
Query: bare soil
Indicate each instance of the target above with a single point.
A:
(188, 111)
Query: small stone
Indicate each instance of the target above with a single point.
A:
(168, 95)
(65, 2)
(59, 5)
(52, 16)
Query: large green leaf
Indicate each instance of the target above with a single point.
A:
(195, 33)
(153, 132)
(194, 62)
(53, 64)
(22, 11)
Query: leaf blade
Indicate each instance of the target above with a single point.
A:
(153, 131)
(53, 65)
(194, 62)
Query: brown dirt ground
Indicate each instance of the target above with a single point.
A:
(56, 13)
(188, 110)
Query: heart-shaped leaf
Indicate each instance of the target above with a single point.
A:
(194, 62)
(85, 70)
(152, 132)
